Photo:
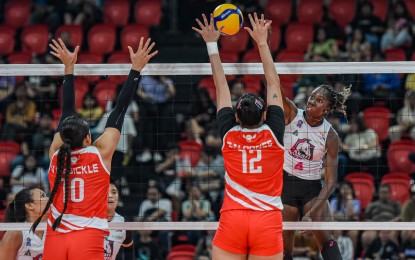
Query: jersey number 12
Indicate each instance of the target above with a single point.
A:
(249, 159)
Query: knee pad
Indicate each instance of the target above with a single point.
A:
(287, 255)
(331, 251)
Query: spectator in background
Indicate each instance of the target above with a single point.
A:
(397, 35)
(7, 84)
(146, 248)
(363, 148)
(46, 12)
(154, 93)
(154, 208)
(66, 38)
(19, 116)
(383, 247)
(90, 110)
(358, 48)
(345, 206)
(368, 22)
(28, 175)
(399, 11)
(237, 90)
(345, 244)
(83, 12)
(408, 210)
(305, 245)
(383, 209)
(408, 247)
(322, 49)
(405, 119)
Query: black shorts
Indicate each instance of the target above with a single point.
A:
(297, 192)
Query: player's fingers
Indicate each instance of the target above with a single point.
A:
(62, 44)
(251, 20)
(205, 20)
(200, 24)
(130, 50)
(56, 44)
(196, 30)
(262, 19)
(211, 20)
(151, 55)
(147, 44)
(151, 47)
(140, 45)
(76, 50)
(53, 47)
(256, 18)
(55, 54)
(248, 30)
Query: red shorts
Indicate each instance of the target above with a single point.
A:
(82, 244)
(250, 232)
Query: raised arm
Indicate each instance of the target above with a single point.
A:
(210, 35)
(259, 33)
(68, 59)
(108, 141)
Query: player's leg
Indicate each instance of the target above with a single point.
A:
(55, 247)
(324, 238)
(231, 238)
(265, 235)
(289, 214)
(87, 244)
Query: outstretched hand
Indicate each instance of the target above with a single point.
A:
(259, 31)
(140, 58)
(60, 51)
(207, 29)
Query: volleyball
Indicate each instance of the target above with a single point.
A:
(228, 16)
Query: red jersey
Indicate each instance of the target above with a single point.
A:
(88, 186)
(254, 161)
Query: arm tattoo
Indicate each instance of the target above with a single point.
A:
(275, 96)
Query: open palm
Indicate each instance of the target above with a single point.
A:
(207, 29)
(61, 52)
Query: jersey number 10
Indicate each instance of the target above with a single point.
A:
(76, 190)
(249, 159)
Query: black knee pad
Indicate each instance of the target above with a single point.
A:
(331, 251)
(287, 255)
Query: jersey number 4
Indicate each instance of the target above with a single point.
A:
(249, 158)
(76, 190)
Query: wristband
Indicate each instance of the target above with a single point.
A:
(212, 48)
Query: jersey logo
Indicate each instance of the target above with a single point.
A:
(109, 248)
(38, 257)
(300, 123)
(28, 253)
(295, 133)
(302, 149)
(74, 159)
(28, 242)
(249, 138)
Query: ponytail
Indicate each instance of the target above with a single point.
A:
(63, 159)
(10, 213)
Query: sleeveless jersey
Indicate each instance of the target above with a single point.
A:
(113, 242)
(88, 192)
(305, 147)
(32, 246)
(253, 163)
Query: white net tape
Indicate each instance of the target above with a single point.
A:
(230, 69)
(214, 226)
(204, 68)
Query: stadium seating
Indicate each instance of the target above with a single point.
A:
(410, 4)
(7, 42)
(275, 38)
(398, 153)
(104, 91)
(278, 11)
(17, 13)
(148, 13)
(184, 247)
(101, 39)
(230, 57)
(252, 83)
(131, 35)
(298, 36)
(310, 11)
(180, 255)
(363, 188)
(208, 84)
(35, 38)
(90, 58)
(360, 175)
(192, 150)
(8, 151)
(289, 56)
(397, 175)
(377, 118)
(342, 11)
(82, 87)
(119, 57)
(235, 43)
(75, 33)
(395, 55)
(116, 12)
(19, 58)
(399, 188)
(380, 8)
(251, 56)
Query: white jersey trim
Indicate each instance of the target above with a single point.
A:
(263, 127)
(257, 198)
(74, 222)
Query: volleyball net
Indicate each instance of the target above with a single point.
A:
(172, 140)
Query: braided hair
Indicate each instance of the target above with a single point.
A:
(336, 99)
(16, 210)
(73, 132)
(249, 109)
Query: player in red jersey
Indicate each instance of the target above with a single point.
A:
(79, 170)
(251, 220)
